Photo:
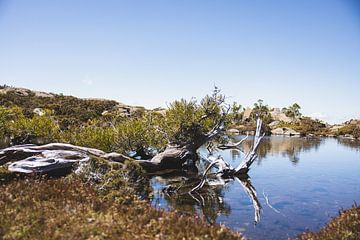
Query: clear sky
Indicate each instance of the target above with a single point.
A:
(152, 52)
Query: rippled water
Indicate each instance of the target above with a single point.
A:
(300, 184)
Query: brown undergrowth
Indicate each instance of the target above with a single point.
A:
(70, 208)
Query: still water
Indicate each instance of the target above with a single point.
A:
(299, 183)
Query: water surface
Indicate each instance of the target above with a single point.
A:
(300, 184)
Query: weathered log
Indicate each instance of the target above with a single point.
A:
(48, 160)
(55, 156)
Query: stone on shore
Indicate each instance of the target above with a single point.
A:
(285, 131)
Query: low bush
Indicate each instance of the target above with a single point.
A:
(351, 129)
(306, 125)
(37, 129)
(21, 129)
(91, 135)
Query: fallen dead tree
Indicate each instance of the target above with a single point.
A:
(45, 158)
(224, 168)
(225, 173)
(198, 125)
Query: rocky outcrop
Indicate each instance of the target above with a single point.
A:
(274, 124)
(247, 113)
(285, 131)
(233, 131)
(334, 129)
(277, 115)
(353, 122)
(127, 111)
(25, 92)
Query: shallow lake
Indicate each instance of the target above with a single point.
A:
(300, 184)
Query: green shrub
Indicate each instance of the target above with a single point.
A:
(351, 129)
(139, 135)
(68, 110)
(306, 125)
(36, 129)
(7, 115)
(22, 129)
(187, 121)
(92, 135)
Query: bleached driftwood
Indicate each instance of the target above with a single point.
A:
(224, 169)
(54, 156)
(225, 173)
(232, 145)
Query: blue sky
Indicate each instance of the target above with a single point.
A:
(152, 52)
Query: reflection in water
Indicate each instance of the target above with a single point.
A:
(209, 201)
(289, 147)
(297, 195)
(350, 143)
(251, 191)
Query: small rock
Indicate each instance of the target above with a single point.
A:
(39, 111)
(233, 131)
(277, 115)
(273, 124)
(285, 131)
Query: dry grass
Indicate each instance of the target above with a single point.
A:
(68, 208)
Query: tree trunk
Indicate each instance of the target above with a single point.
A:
(51, 157)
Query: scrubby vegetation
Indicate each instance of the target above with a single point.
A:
(350, 129)
(67, 110)
(306, 125)
(292, 111)
(103, 200)
(69, 208)
(22, 129)
(345, 226)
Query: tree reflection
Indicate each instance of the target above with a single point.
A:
(350, 143)
(207, 202)
(289, 147)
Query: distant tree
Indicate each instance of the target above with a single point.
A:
(236, 113)
(262, 111)
(292, 111)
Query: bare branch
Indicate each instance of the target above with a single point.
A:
(250, 157)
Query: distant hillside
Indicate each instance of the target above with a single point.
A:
(73, 111)
(67, 109)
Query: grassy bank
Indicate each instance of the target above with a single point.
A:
(71, 208)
